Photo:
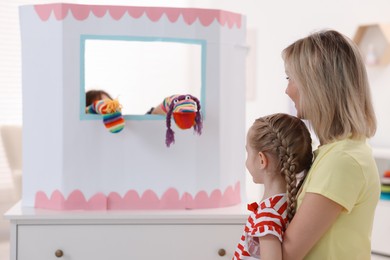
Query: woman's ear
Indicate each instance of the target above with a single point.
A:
(263, 160)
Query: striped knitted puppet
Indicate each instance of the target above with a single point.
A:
(185, 110)
(111, 112)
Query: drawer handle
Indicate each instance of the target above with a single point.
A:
(221, 252)
(59, 253)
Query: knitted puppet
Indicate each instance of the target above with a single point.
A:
(185, 110)
(111, 112)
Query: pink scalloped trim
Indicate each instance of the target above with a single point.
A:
(131, 200)
(190, 15)
(75, 200)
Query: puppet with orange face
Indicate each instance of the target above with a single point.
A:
(185, 110)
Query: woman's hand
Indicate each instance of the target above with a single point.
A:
(270, 248)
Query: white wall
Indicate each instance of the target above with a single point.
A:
(278, 23)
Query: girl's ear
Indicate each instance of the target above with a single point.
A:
(263, 160)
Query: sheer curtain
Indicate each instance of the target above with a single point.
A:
(10, 77)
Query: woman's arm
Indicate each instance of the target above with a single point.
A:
(313, 218)
(270, 248)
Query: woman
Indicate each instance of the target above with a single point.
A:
(328, 84)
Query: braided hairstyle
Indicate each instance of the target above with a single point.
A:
(287, 141)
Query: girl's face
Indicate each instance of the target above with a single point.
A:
(293, 92)
(253, 163)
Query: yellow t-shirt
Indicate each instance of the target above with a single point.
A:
(346, 173)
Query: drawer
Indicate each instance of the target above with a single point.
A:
(138, 242)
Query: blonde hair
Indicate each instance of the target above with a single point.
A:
(333, 85)
(287, 141)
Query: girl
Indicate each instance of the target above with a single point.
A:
(278, 149)
(328, 83)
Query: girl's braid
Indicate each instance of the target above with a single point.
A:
(287, 139)
(286, 165)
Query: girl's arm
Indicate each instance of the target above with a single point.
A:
(313, 218)
(270, 248)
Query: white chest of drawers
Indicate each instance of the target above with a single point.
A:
(79, 235)
(381, 229)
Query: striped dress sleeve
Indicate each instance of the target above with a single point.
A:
(268, 217)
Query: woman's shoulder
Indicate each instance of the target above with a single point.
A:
(352, 156)
(344, 158)
(344, 149)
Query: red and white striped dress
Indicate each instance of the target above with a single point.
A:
(268, 217)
